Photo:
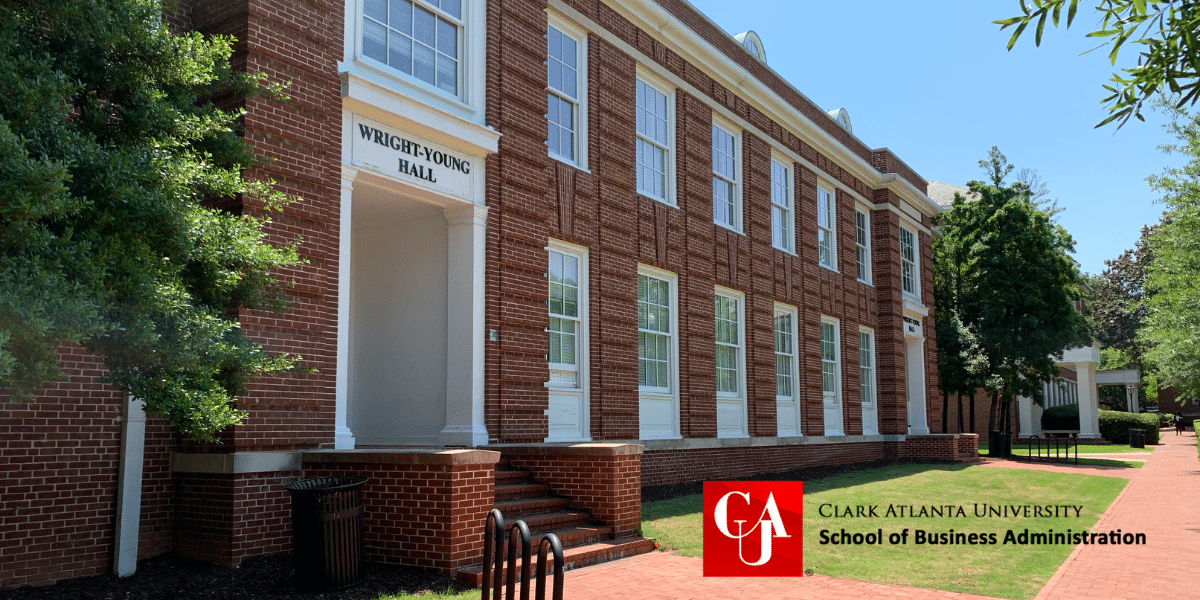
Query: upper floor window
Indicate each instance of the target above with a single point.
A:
(420, 38)
(909, 272)
(653, 142)
(565, 94)
(826, 218)
(727, 201)
(862, 245)
(781, 206)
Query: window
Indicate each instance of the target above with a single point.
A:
(866, 366)
(785, 354)
(826, 248)
(727, 200)
(653, 142)
(654, 333)
(862, 245)
(781, 207)
(565, 77)
(416, 37)
(909, 274)
(829, 362)
(729, 344)
(565, 317)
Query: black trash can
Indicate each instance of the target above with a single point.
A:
(999, 444)
(327, 531)
(1137, 438)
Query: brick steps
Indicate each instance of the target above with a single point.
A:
(584, 543)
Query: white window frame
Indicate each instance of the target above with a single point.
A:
(862, 244)
(793, 362)
(867, 395)
(580, 101)
(668, 196)
(671, 392)
(834, 397)
(738, 394)
(462, 24)
(830, 231)
(581, 320)
(910, 270)
(783, 201)
(731, 182)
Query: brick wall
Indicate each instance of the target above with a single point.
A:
(660, 467)
(533, 198)
(423, 508)
(603, 479)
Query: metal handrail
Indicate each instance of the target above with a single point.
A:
(494, 543)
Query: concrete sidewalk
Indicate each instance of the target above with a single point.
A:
(1162, 500)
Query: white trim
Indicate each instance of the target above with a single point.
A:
(872, 405)
(671, 394)
(831, 205)
(739, 395)
(579, 35)
(860, 210)
(915, 293)
(794, 426)
(582, 358)
(738, 157)
(657, 84)
(833, 410)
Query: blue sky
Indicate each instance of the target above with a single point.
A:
(933, 82)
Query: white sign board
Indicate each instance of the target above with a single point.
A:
(912, 327)
(412, 159)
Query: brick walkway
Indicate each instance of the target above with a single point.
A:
(1161, 500)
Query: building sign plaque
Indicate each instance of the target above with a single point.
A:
(411, 158)
(912, 327)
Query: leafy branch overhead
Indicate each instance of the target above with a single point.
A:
(111, 151)
(1168, 53)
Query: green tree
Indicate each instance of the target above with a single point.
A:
(109, 151)
(1172, 329)
(961, 365)
(1117, 305)
(1018, 290)
(1168, 59)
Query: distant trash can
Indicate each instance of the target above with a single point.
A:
(999, 444)
(1137, 438)
(327, 531)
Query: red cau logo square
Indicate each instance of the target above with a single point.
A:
(753, 529)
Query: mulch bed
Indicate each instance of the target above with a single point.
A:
(169, 577)
(270, 577)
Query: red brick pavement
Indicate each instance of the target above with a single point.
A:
(1161, 501)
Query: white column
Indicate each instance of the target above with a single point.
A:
(1089, 417)
(914, 359)
(1027, 424)
(129, 487)
(466, 227)
(1131, 398)
(343, 437)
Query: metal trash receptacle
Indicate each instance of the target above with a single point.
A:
(1137, 438)
(327, 531)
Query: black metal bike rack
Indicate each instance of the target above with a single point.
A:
(497, 579)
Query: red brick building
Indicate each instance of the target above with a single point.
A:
(602, 239)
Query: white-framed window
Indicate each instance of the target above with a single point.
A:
(910, 276)
(866, 366)
(566, 97)
(862, 244)
(567, 311)
(782, 216)
(420, 38)
(656, 343)
(787, 367)
(730, 344)
(727, 191)
(654, 142)
(830, 362)
(826, 229)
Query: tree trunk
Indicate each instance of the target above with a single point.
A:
(973, 430)
(945, 410)
(993, 409)
(960, 415)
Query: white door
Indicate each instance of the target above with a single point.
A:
(567, 411)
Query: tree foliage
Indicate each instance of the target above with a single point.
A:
(109, 151)
(1016, 282)
(1168, 56)
(1172, 329)
(1117, 300)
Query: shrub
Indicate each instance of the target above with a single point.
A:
(1166, 419)
(1061, 417)
(1115, 426)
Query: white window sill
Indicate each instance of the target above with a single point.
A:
(566, 161)
(729, 227)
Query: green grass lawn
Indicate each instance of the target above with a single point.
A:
(445, 595)
(1002, 571)
(1083, 449)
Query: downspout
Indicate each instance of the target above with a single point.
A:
(129, 487)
